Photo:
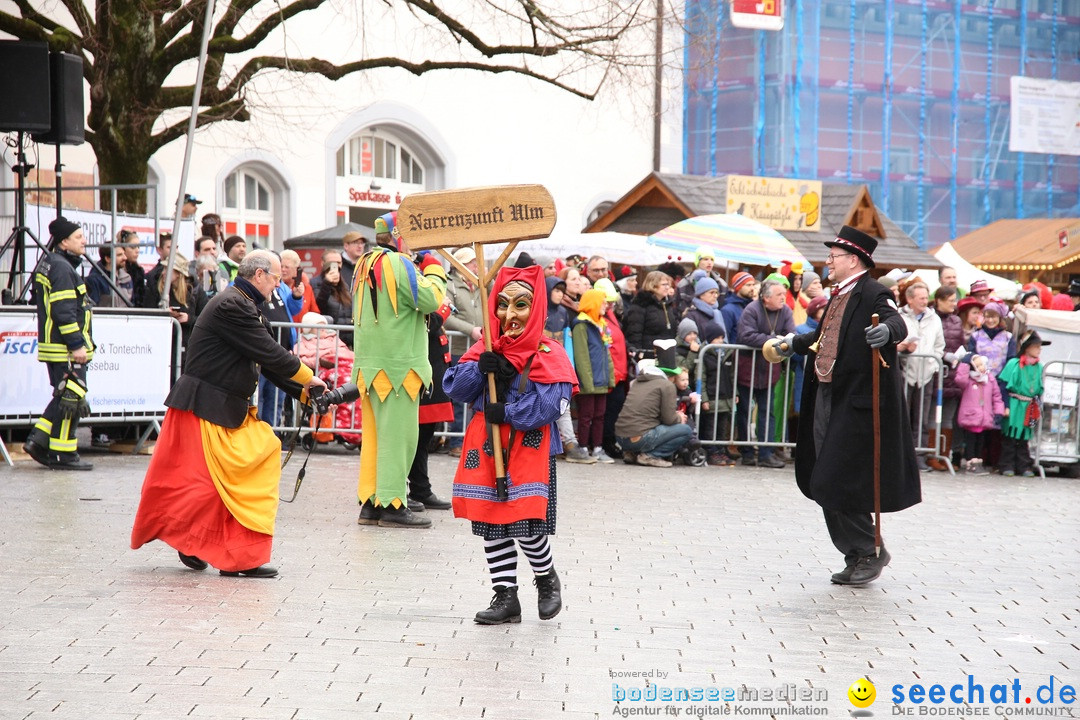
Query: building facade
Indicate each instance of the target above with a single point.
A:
(910, 97)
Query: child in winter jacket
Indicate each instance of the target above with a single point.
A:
(1022, 378)
(980, 402)
(592, 360)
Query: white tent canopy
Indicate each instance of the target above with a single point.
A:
(966, 273)
(615, 247)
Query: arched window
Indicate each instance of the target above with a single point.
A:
(375, 169)
(376, 153)
(248, 208)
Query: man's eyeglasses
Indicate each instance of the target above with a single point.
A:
(831, 257)
(276, 276)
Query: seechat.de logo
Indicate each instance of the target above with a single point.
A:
(18, 342)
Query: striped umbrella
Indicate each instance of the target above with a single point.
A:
(735, 239)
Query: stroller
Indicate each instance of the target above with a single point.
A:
(332, 360)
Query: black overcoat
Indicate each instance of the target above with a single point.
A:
(229, 346)
(842, 477)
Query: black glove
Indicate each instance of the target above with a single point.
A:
(495, 413)
(489, 362)
(877, 336)
(72, 395)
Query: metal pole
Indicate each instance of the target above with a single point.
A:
(658, 84)
(195, 102)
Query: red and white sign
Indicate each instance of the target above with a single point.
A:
(758, 14)
(1063, 239)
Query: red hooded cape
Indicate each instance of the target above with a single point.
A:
(550, 363)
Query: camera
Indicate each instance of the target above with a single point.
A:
(343, 394)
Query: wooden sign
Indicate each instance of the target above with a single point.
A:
(446, 218)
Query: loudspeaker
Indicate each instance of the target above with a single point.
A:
(68, 119)
(24, 86)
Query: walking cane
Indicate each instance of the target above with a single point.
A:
(877, 361)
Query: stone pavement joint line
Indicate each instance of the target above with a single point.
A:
(710, 578)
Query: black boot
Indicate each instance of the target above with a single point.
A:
(548, 594)
(504, 608)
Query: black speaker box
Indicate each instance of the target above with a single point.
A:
(24, 86)
(68, 118)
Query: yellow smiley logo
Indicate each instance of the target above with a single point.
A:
(862, 693)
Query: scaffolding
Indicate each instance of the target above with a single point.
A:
(910, 97)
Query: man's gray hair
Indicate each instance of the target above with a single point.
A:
(254, 261)
(767, 286)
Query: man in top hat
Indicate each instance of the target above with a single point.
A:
(64, 345)
(391, 299)
(1074, 293)
(834, 457)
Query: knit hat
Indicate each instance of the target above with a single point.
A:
(809, 277)
(233, 241)
(703, 252)
(780, 279)
(704, 285)
(686, 326)
(313, 318)
(697, 275)
(816, 304)
(1061, 301)
(607, 287)
(996, 306)
(61, 229)
(740, 279)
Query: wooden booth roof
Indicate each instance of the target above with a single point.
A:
(1030, 244)
(662, 199)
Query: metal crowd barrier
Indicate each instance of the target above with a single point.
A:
(785, 393)
(288, 413)
(97, 418)
(1056, 440)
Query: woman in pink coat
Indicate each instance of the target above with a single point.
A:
(979, 404)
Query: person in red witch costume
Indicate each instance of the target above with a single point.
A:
(535, 381)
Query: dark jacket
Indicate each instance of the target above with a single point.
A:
(648, 319)
(755, 327)
(732, 311)
(138, 282)
(340, 313)
(841, 477)
(220, 374)
(63, 308)
(953, 328)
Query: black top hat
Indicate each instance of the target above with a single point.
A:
(1074, 287)
(857, 242)
(1031, 338)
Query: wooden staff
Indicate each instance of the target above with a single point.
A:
(876, 375)
(470, 218)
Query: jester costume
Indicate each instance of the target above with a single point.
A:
(1021, 379)
(534, 380)
(391, 298)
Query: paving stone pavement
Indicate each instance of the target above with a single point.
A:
(712, 578)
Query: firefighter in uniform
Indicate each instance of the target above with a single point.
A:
(64, 345)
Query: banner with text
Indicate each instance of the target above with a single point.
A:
(780, 203)
(131, 371)
(1044, 116)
